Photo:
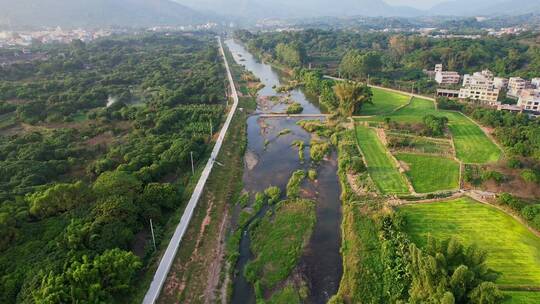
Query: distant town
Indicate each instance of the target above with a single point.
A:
(60, 35)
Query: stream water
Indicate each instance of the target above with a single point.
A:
(272, 164)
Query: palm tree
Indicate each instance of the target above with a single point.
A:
(352, 96)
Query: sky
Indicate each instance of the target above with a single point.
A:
(421, 4)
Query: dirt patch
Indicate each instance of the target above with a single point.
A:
(404, 166)
(17, 101)
(101, 139)
(12, 130)
(514, 183)
(382, 136)
(216, 265)
(351, 178)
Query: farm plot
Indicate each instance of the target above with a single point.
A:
(407, 143)
(521, 297)
(381, 166)
(471, 143)
(430, 173)
(384, 102)
(512, 249)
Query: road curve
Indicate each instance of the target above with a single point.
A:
(168, 257)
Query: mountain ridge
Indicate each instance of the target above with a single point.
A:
(98, 13)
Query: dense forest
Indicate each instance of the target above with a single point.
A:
(96, 141)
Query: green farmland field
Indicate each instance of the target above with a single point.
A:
(384, 102)
(472, 145)
(512, 249)
(522, 297)
(381, 167)
(429, 173)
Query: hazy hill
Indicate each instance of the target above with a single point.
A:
(96, 13)
(299, 8)
(486, 7)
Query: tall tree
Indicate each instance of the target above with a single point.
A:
(352, 96)
(447, 272)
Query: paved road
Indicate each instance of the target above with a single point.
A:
(293, 115)
(166, 261)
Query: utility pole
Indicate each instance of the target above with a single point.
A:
(368, 79)
(153, 236)
(192, 165)
(211, 129)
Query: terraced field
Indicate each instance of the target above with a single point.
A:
(472, 144)
(431, 173)
(381, 167)
(384, 102)
(512, 249)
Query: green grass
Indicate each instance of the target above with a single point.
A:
(384, 102)
(521, 297)
(381, 167)
(80, 117)
(278, 241)
(288, 295)
(429, 173)
(472, 144)
(512, 249)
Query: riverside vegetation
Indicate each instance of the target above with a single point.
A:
(389, 247)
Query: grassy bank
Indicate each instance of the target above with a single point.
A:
(277, 243)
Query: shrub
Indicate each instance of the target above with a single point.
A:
(530, 176)
(273, 194)
(243, 200)
(514, 163)
(318, 150)
(293, 186)
(493, 175)
(510, 201)
(448, 104)
(312, 174)
(295, 108)
(357, 165)
(530, 212)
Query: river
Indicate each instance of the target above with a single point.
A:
(270, 160)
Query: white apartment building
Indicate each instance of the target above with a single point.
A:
(484, 78)
(515, 85)
(529, 100)
(486, 94)
(480, 87)
(446, 77)
(536, 82)
(500, 82)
